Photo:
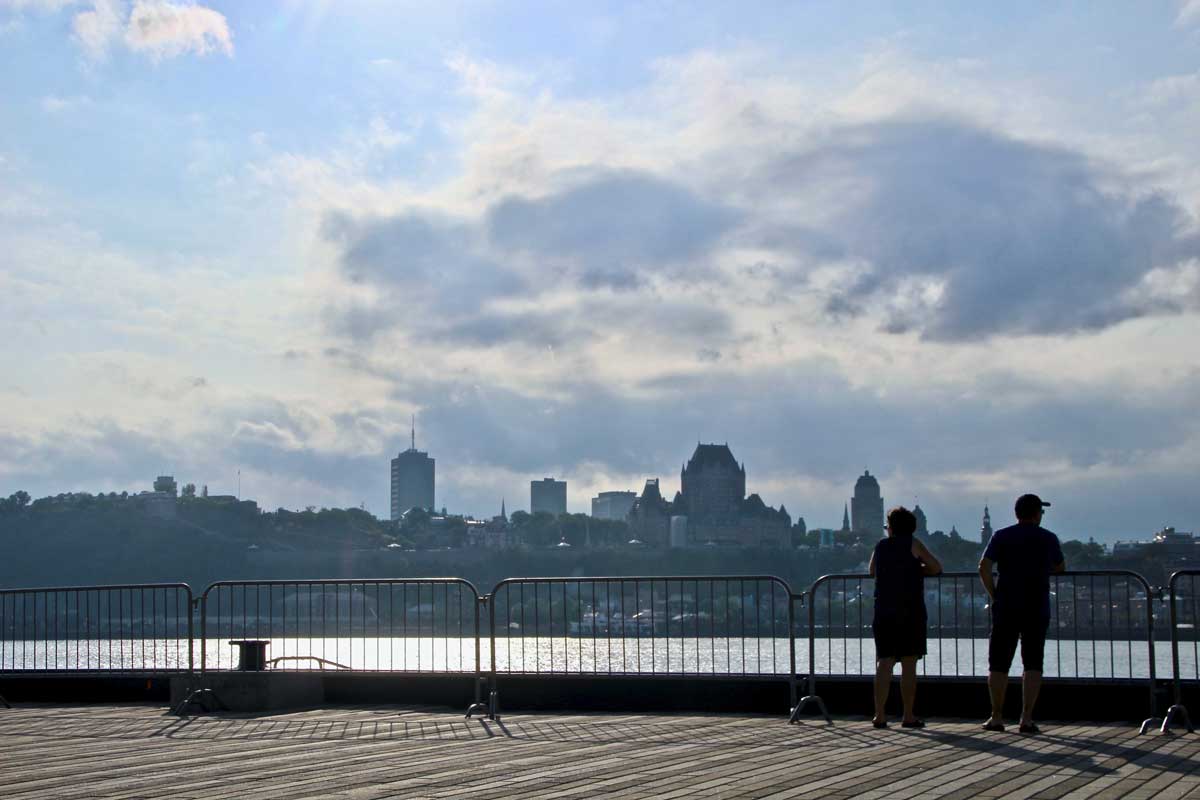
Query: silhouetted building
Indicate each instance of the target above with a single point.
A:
(1171, 546)
(922, 523)
(650, 517)
(412, 480)
(866, 507)
(493, 534)
(612, 505)
(712, 486)
(845, 518)
(548, 495)
(166, 483)
(712, 496)
(985, 530)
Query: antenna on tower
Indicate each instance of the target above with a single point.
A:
(414, 431)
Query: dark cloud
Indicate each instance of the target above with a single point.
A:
(94, 454)
(490, 329)
(609, 231)
(613, 224)
(1024, 237)
(425, 266)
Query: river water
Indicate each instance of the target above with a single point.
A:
(646, 655)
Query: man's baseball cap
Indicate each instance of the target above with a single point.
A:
(1029, 504)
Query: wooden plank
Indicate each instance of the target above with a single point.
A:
(363, 753)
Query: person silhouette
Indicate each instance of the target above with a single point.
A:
(899, 565)
(1026, 554)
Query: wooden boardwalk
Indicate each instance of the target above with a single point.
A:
(360, 753)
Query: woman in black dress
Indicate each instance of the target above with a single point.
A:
(899, 566)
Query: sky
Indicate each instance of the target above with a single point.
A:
(956, 244)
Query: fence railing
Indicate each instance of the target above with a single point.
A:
(1102, 628)
(127, 628)
(696, 626)
(426, 625)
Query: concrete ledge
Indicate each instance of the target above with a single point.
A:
(254, 691)
(1061, 699)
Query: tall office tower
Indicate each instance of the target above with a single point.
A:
(548, 495)
(866, 507)
(985, 530)
(412, 479)
(612, 505)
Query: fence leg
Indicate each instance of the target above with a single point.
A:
(1177, 710)
(479, 706)
(200, 696)
(804, 703)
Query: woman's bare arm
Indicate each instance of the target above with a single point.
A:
(928, 560)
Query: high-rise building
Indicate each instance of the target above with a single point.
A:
(548, 495)
(412, 480)
(866, 507)
(612, 505)
(985, 530)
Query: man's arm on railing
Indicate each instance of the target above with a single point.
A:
(985, 575)
(1060, 567)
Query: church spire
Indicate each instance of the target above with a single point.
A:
(846, 517)
(503, 513)
(985, 530)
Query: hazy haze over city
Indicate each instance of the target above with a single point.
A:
(957, 246)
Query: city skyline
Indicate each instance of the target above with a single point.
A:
(955, 243)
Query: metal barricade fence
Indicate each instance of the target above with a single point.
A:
(1183, 613)
(669, 626)
(383, 625)
(126, 628)
(1101, 627)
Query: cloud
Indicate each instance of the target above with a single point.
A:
(159, 29)
(163, 29)
(610, 226)
(931, 225)
(967, 233)
(1189, 13)
(96, 29)
(53, 104)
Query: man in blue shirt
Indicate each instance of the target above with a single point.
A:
(1026, 554)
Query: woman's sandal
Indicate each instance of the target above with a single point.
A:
(916, 723)
(995, 727)
(1031, 729)
(879, 724)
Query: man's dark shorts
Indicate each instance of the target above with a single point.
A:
(1006, 630)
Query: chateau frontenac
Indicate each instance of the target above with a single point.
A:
(711, 507)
